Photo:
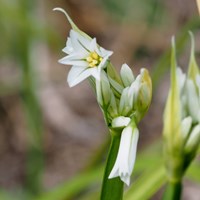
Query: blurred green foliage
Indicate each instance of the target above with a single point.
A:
(20, 28)
(151, 12)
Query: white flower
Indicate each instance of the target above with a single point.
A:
(85, 56)
(125, 160)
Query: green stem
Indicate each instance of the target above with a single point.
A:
(112, 189)
(173, 191)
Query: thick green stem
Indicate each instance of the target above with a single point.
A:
(112, 189)
(173, 191)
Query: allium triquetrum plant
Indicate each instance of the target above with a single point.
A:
(124, 99)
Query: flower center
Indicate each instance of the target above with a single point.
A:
(94, 59)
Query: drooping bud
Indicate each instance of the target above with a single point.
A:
(126, 156)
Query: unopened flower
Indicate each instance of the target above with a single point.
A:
(103, 91)
(125, 160)
(134, 96)
(84, 54)
(182, 117)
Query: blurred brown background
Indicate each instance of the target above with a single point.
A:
(139, 33)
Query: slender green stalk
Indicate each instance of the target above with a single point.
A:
(112, 189)
(173, 191)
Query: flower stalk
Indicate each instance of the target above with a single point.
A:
(173, 191)
(112, 188)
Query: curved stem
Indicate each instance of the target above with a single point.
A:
(173, 191)
(112, 188)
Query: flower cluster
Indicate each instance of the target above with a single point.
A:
(124, 98)
(182, 117)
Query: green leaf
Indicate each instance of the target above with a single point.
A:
(147, 184)
(193, 172)
(74, 186)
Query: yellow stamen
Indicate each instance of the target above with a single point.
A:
(93, 59)
(94, 55)
(94, 62)
(91, 64)
(89, 59)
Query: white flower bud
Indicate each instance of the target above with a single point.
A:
(120, 122)
(186, 124)
(103, 90)
(193, 100)
(193, 140)
(126, 75)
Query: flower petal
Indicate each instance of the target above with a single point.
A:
(78, 41)
(67, 60)
(95, 73)
(186, 124)
(193, 100)
(124, 163)
(126, 75)
(77, 74)
(93, 45)
(103, 52)
(133, 150)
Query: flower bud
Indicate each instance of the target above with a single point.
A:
(126, 75)
(186, 124)
(193, 140)
(120, 122)
(103, 90)
(145, 91)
